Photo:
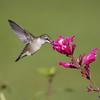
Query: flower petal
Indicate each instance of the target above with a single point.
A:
(69, 40)
(91, 57)
(67, 65)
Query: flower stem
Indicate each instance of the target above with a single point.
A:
(75, 61)
(49, 86)
(49, 90)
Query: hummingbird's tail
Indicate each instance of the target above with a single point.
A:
(22, 54)
(17, 58)
(20, 57)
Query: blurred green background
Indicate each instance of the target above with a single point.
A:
(55, 17)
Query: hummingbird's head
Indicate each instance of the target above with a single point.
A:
(45, 38)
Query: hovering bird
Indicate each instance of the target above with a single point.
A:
(32, 43)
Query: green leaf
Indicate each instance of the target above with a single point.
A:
(47, 71)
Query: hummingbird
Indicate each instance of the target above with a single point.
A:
(32, 43)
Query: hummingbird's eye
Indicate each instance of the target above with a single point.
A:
(46, 38)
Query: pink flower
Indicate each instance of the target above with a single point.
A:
(64, 46)
(91, 57)
(82, 63)
(67, 65)
(87, 60)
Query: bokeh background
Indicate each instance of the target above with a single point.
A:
(55, 17)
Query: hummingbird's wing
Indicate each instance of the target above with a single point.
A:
(22, 34)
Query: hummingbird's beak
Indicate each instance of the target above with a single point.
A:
(51, 41)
